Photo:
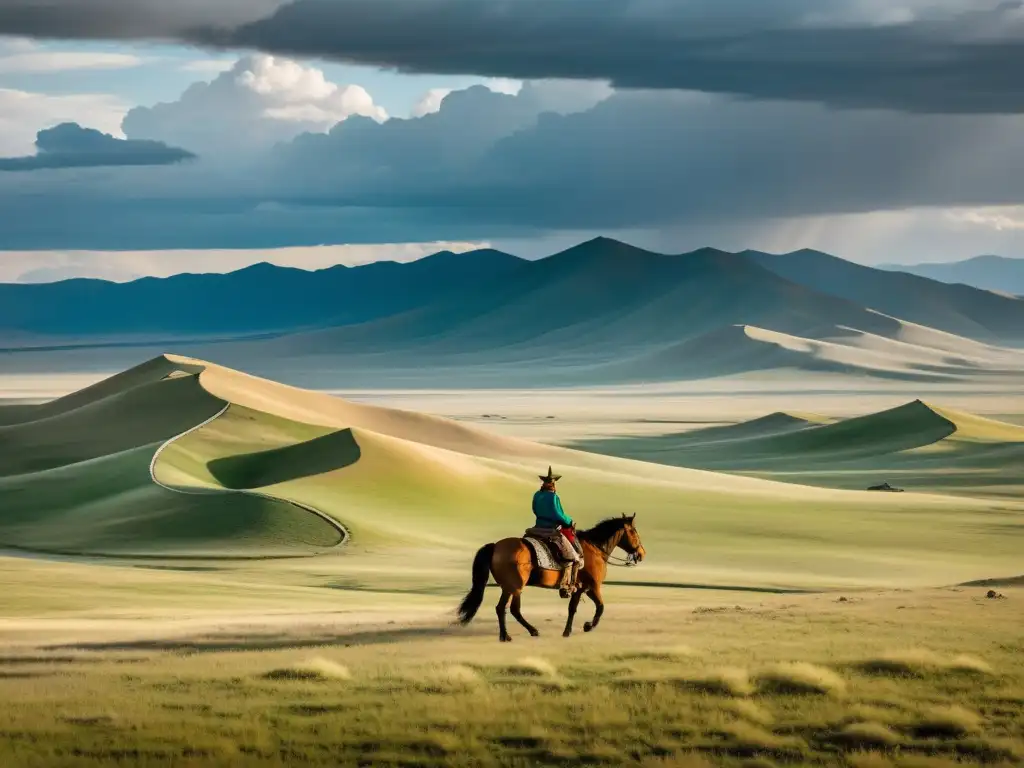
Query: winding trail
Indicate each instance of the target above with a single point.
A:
(341, 529)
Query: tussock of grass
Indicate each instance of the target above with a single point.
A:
(730, 681)
(800, 678)
(970, 664)
(453, 677)
(921, 663)
(314, 670)
(747, 739)
(687, 760)
(951, 722)
(675, 653)
(749, 711)
(867, 736)
(868, 760)
(531, 666)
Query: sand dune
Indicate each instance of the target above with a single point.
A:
(278, 471)
(927, 446)
(740, 349)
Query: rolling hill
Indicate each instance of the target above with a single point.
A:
(267, 470)
(926, 446)
(991, 273)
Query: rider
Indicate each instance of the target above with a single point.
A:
(548, 509)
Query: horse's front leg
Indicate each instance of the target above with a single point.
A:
(595, 595)
(574, 603)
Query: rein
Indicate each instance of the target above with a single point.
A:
(610, 558)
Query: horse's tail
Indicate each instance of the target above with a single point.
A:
(481, 571)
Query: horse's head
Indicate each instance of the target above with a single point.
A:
(630, 541)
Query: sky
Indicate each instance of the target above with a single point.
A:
(143, 137)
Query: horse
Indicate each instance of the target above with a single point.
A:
(511, 563)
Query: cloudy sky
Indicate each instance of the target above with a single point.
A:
(147, 137)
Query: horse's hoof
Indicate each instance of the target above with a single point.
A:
(535, 633)
(567, 633)
(588, 627)
(505, 639)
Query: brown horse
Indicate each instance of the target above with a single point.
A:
(512, 564)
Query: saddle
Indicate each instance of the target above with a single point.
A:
(551, 548)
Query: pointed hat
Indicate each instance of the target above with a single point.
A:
(550, 476)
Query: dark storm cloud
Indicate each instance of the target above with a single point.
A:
(636, 160)
(69, 145)
(126, 19)
(912, 55)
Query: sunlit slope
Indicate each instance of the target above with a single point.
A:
(420, 491)
(927, 446)
(149, 412)
(75, 478)
(740, 349)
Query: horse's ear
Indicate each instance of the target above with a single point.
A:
(631, 519)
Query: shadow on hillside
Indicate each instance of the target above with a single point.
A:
(272, 642)
(313, 457)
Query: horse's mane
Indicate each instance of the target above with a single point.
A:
(604, 530)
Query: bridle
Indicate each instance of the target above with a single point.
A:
(629, 561)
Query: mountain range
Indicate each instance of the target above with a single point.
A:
(993, 273)
(601, 311)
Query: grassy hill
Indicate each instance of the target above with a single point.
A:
(924, 446)
(281, 471)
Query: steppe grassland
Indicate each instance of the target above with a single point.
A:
(334, 661)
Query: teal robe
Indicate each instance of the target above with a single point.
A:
(548, 509)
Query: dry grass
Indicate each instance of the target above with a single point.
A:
(729, 681)
(315, 669)
(424, 695)
(946, 722)
(531, 666)
(922, 662)
(867, 736)
(671, 654)
(800, 678)
(749, 711)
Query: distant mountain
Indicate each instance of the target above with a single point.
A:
(992, 273)
(602, 311)
(600, 298)
(958, 309)
(259, 299)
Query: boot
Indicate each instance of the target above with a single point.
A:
(568, 579)
(569, 583)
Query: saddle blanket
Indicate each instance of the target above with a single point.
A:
(546, 561)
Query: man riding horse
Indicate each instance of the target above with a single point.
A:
(557, 527)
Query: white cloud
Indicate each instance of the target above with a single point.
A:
(120, 266)
(430, 102)
(1000, 219)
(261, 100)
(208, 66)
(16, 45)
(36, 61)
(23, 114)
(504, 85)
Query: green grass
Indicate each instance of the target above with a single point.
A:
(394, 697)
(420, 493)
(917, 446)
